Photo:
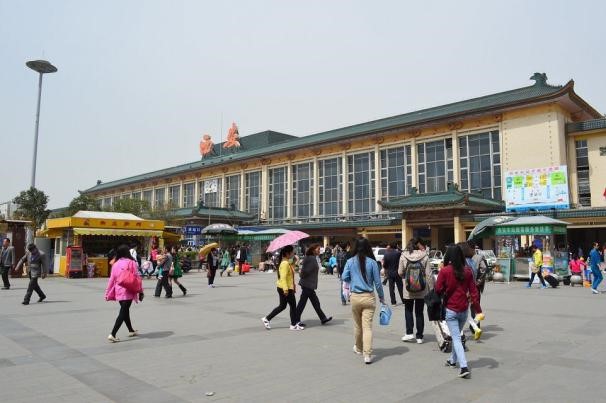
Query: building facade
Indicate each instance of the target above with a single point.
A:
(340, 183)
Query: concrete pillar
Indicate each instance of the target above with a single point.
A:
(264, 193)
(222, 191)
(406, 232)
(242, 205)
(434, 238)
(455, 159)
(413, 163)
(377, 174)
(326, 240)
(316, 188)
(459, 230)
(344, 206)
(289, 190)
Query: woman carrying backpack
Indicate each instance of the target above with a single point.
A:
(416, 272)
(455, 283)
(122, 273)
(286, 290)
(362, 272)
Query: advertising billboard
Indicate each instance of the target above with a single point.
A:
(537, 189)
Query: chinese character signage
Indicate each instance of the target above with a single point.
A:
(192, 230)
(537, 189)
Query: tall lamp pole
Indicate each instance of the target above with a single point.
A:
(42, 67)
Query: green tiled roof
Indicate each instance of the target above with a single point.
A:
(587, 125)
(540, 91)
(594, 212)
(213, 213)
(450, 198)
(341, 224)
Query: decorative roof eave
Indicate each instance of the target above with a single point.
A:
(213, 213)
(406, 121)
(452, 198)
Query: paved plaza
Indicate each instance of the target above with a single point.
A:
(539, 346)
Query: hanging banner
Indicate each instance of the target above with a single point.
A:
(537, 189)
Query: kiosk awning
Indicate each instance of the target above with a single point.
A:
(116, 232)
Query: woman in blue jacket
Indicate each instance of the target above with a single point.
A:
(362, 272)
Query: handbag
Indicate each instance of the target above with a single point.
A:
(171, 271)
(129, 280)
(384, 315)
(436, 306)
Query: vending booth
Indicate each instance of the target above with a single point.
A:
(82, 242)
(514, 240)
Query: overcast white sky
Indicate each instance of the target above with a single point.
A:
(139, 82)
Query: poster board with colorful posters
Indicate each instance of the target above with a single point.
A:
(537, 189)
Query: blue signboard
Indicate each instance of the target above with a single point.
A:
(192, 230)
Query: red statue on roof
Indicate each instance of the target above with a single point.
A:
(206, 145)
(233, 137)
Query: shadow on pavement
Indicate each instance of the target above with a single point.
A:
(156, 335)
(52, 301)
(381, 353)
(484, 362)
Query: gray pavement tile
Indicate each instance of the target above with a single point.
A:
(213, 340)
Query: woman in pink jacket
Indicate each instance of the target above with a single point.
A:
(125, 298)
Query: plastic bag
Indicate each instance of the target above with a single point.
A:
(384, 315)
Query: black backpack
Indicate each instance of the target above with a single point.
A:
(414, 276)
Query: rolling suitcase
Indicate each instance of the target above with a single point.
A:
(443, 336)
(553, 282)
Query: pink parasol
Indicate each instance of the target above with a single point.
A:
(289, 238)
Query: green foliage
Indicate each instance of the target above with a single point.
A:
(165, 213)
(133, 206)
(32, 206)
(83, 203)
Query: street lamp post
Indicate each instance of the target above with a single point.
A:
(42, 67)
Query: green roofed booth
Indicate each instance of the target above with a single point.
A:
(515, 237)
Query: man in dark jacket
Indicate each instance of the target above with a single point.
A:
(7, 262)
(391, 262)
(309, 283)
(37, 266)
(242, 257)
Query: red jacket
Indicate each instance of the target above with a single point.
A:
(456, 292)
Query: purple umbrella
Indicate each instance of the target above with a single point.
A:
(290, 238)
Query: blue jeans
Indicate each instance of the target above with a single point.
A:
(597, 278)
(456, 322)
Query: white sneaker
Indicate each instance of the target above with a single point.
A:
(408, 337)
(133, 334)
(265, 323)
(368, 359)
(419, 341)
(355, 350)
(593, 290)
(296, 327)
(113, 339)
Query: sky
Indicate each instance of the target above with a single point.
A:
(140, 82)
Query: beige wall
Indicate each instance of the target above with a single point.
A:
(534, 138)
(597, 168)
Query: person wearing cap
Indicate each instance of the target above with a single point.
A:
(36, 267)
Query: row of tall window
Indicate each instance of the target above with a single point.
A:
(479, 171)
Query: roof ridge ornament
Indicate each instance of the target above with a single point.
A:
(540, 79)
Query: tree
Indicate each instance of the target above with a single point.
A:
(165, 213)
(83, 202)
(133, 206)
(32, 206)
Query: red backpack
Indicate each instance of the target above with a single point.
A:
(129, 279)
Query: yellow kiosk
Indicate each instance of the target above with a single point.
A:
(96, 233)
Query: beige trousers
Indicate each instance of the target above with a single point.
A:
(363, 308)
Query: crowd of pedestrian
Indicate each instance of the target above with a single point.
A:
(458, 284)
